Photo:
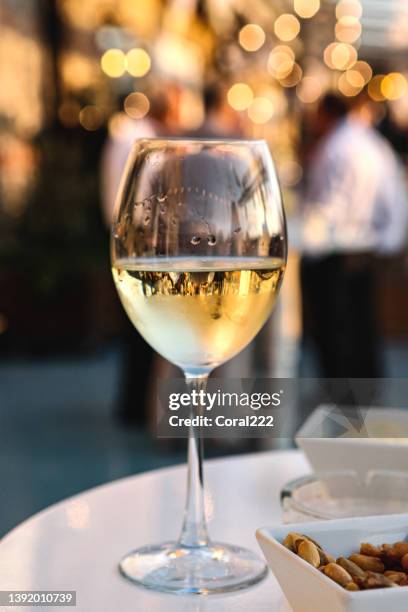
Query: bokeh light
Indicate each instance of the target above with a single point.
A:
(274, 94)
(340, 56)
(138, 62)
(77, 70)
(287, 27)
(394, 86)
(309, 90)
(374, 88)
(400, 112)
(179, 57)
(355, 78)
(261, 110)
(117, 125)
(306, 8)
(293, 78)
(361, 68)
(68, 113)
(90, 117)
(284, 49)
(240, 96)
(113, 63)
(251, 37)
(349, 8)
(280, 61)
(343, 56)
(136, 105)
(346, 88)
(348, 29)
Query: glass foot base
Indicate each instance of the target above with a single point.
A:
(216, 568)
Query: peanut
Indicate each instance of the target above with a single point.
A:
(309, 552)
(297, 540)
(305, 537)
(391, 562)
(398, 577)
(291, 539)
(351, 586)
(370, 550)
(350, 567)
(399, 549)
(372, 564)
(325, 558)
(288, 542)
(372, 580)
(404, 562)
(338, 574)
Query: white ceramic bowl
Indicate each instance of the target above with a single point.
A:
(360, 454)
(307, 589)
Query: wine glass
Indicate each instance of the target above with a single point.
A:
(198, 256)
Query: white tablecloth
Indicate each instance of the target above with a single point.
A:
(76, 544)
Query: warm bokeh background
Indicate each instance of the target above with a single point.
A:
(80, 76)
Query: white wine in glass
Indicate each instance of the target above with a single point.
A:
(215, 305)
(198, 256)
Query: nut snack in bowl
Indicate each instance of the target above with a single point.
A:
(371, 567)
(346, 565)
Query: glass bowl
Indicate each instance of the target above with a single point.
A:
(343, 494)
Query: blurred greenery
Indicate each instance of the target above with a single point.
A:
(56, 251)
(60, 234)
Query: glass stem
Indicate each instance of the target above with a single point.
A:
(194, 530)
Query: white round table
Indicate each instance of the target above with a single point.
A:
(76, 544)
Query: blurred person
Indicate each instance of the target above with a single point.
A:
(354, 208)
(156, 123)
(138, 355)
(221, 121)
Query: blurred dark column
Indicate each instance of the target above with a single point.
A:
(53, 31)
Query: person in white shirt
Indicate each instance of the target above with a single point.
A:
(354, 208)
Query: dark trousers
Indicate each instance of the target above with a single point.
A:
(135, 377)
(338, 294)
